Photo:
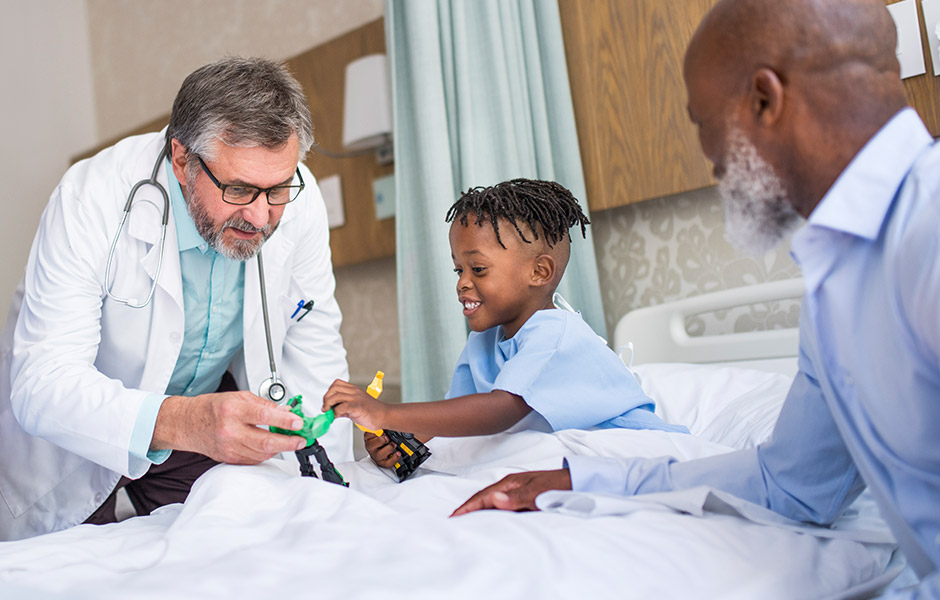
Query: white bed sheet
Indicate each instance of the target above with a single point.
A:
(263, 531)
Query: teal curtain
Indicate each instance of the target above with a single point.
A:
(481, 95)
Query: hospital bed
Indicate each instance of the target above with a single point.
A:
(263, 531)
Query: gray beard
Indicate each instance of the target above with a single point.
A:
(758, 212)
(240, 250)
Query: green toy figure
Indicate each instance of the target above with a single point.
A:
(313, 428)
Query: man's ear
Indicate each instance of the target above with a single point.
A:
(543, 271)
(766, 96)
(178, 161)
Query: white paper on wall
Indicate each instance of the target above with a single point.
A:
(910, 51)
(332, 191)
(383, 191)
(932, 22)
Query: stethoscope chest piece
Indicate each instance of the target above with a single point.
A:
(273, 390)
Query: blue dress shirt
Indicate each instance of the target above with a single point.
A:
(865, 405)
(213, 293)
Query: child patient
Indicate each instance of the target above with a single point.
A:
(526, 365)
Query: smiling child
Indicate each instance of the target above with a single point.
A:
(526, 365)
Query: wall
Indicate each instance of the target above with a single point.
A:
(366, 295)
(141, 51)
(674, 247)
(46, 115)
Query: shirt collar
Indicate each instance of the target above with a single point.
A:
(858, 201)
(186, 233)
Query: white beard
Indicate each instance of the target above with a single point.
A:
(239, 250)
(758, 212)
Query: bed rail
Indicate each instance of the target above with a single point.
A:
(658, 333)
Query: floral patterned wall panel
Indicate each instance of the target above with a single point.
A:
(674, 247)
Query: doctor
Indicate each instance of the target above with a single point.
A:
(130, 379)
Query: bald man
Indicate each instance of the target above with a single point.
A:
(800, 107)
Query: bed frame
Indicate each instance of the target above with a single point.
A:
(771, 350)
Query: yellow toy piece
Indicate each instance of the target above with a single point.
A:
(416, 452)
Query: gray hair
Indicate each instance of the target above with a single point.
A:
(243, 102)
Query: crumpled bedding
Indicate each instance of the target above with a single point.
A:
(263, 531)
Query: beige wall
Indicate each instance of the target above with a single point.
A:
(46, 115)
(141, 51)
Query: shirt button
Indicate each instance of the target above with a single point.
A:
(175, 337)
(99, 498)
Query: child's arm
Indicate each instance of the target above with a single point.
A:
(475, 414)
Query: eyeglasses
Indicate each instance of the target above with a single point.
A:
(246, 194)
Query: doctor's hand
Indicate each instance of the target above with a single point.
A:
(516, 492)
(347, 400)
(224, 427)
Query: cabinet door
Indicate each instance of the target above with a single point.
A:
(625, 65)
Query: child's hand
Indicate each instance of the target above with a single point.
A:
(348, 401)
(381, 450)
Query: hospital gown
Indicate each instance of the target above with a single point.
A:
(561, 369)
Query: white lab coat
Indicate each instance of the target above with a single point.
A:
(75, 365)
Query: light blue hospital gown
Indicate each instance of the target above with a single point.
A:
(562, 369)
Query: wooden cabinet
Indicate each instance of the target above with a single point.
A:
(625, 65)
(321, 71)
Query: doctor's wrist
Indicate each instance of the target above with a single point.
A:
(166, 430)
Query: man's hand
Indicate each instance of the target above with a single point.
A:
(381, 450)
(347, 400)
(516, 492)
(224, 427)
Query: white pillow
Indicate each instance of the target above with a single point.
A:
(732, 406)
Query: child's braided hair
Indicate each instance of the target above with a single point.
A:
(538, 204)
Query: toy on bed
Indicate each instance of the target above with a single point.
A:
(313, 428)
(412, 451)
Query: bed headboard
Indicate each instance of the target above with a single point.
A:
(658, 333)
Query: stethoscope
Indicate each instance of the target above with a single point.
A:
(271, 388)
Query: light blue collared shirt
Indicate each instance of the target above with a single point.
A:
(213, 293)
(865, 405)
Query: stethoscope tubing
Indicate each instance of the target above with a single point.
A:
(132, 302)
(272, 386)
